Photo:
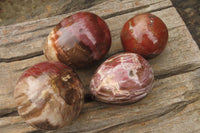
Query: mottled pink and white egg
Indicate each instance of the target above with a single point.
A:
(123, 78)
(49, 95)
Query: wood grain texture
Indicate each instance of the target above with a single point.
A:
(102, 9)
(30, 36)
(171, 96)
(181, 112)
(21, 45)
(172, 106)
(168, 63)
(173, 100)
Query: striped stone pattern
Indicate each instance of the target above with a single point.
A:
(49, 100)
(123, 78)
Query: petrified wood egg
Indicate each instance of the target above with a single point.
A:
(123, 78)
(78, 40)
(49, 95)
(145, 34)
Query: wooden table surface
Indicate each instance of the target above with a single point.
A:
(173, 106)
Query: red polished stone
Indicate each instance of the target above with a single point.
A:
(145, 34)
(49, 95)
(123, 78)
(78, 40)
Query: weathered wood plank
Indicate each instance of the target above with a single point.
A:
(31, 40)
(14, 123)
(173, 100)
(172, 94)
(180, 55)
(184, 119)
(104, 9)
(173, 105)
(26, 40)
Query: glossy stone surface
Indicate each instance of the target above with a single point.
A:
(145, 34)
(123, 78)
(49, 95)
(78, 40)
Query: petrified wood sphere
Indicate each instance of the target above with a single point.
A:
(145, 34)
(123, 78)
(78, 40)
(49, 95)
